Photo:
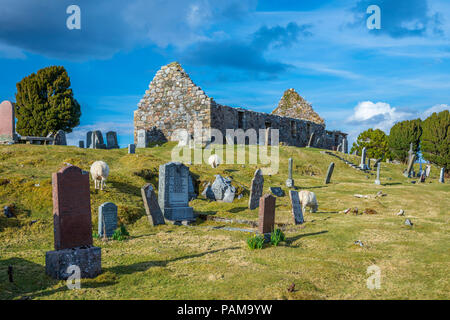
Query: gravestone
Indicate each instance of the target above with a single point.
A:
(339, 147)
(154, 213)
(72, 226)
(409, 170)
(60, 138)
(311, 139)
(7, 122)
(111, 140)
(266, 214)
(173, 196)
(296, 207)
(441, 176)
(256, 189)
(423, 177)
(369, 164)
(428, 171)
(131, 148)
(377, 181)
(267, 139)
(97, 140)
(410, 152)
(223, 190)
(89, 140)
(345, 145)
(290, 181)
(81, 144)
(363, 165)
(141, 139)
(107, 219)
(329, 173)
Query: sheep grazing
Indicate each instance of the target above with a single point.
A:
(99, 173)
(214, 161)
(308, 199)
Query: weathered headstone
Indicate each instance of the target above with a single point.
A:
(423, 177)
(223, 190)
(111, 140)
(72, 226)
(339, 147)
(97, 140)
(131, 148)
(409, 170)
(81, 144)
(290, 181)
(296, 207)
(7, 122)
(363, 164)
(377, 181)
(329, 173)
(173, 195)
(107, 219)
(141, 139)
(442, 176)
(256, 189)
(266, 214)
(154, 213)
(428, 171)
(345, 145)
(311, 140)
(369, 164)
(60, 138)
(89, 140)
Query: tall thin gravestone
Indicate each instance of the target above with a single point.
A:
(107, 219)
(267, 139)
(256, 189)
(428, 171)
(7, 122)
(72, 226)
(141, 139)
(131, 148)
(363, 164)
(89, 139)
(329, 173)
(410, 166)
(111, 140)
(345, 145)
(290, 181)
(377, 181)
(154, 213)
(266, 214)
(441, 176)
(173, 195)
(296, 207)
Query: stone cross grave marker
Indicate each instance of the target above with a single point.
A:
(290, 181)
(131, 148)
(442, 176)
(329, 173)
(173, 195)
(107, 219)
(266, 214)
(296, 207)
(71, 208)
(256, 189)
(377, 181)
(141, 139)
(111, 140)
(154, 213)
(7, 122)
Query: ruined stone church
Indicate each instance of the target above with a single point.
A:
(173, 102)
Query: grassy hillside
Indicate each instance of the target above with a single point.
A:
(203, 262)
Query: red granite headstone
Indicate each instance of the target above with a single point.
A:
(7, 121)
(71, 208)
(266, 213)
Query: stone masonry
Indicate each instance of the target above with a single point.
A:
(173, 102)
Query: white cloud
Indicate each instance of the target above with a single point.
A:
(437, 108)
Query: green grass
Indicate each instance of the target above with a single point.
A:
(198, 262)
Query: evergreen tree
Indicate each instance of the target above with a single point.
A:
(435, 145)
(375, 142)
(401, 136)
(45, 103)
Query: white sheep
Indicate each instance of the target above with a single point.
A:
(99, 173)
(308, 199)
(214, 161)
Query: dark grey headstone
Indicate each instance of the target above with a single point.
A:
(297, 212)
(329, 173)
(154, 213)
(89, 139)
(81, 144)
(131, 148)
(60, 138)
(107, 219)
(256, 190)
(277, 191)
(111, 140)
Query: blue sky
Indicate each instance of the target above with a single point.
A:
(243, 53)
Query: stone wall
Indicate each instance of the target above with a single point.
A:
(173, 102)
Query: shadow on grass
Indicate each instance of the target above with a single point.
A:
(144, 266)
(126, 188)
(289, 241)
(238, 209)
(391, 184)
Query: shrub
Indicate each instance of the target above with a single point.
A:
(400, 137)
(120, 233)
(276, 237)
(255, 242)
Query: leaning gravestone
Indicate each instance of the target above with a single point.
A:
(441, 176)
(377, 181)
(111, 140)
(131, 149)
(141, 139)
(290, 181)
(428, 171)
(60, 138)
(256, 189)
(173, 196)
(7, 122)
(72, 226)
(266, 214)
(329, 173)
(408, 172)
(154, 213)
(296, 207)
(107, 219)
